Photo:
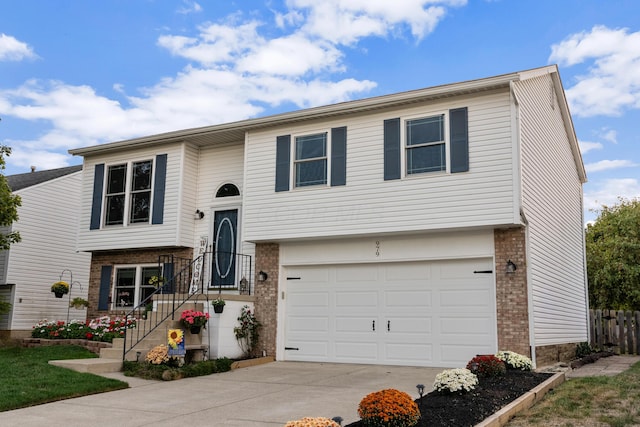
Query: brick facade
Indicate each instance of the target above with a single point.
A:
(266, 305)
(512, 301)
(551, 354)
(133, 257)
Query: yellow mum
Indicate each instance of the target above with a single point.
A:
(175, 337)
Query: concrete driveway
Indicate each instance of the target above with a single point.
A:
(264, 395)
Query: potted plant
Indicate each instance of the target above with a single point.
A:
(194, 320)
(156, 281)
(60, 288)
(218, 305)
(79, 303)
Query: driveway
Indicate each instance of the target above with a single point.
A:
(264, 395)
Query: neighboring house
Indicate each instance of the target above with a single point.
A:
(48, 226)
(419, 228)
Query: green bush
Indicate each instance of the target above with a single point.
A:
(583, 349)
(150, 371)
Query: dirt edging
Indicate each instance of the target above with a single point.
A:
(525, 401)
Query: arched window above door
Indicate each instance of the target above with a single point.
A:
(228, 190)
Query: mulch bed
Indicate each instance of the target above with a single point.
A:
(460, 410)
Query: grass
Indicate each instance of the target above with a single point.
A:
(27, 378)
(590, 401)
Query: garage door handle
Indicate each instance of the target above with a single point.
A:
(373, 326)
(388, 325)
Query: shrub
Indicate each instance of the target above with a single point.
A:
(247, 333)
(583, 349)
(312, 422)
(487, 366)
(388, 408)
(101, 329)
(455, 380)
(515, 361)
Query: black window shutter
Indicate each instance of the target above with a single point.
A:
(167, 273)
(392, 149)
(159, 183)
(339, 156)
(105, 287)
(283, 161)
(459, 140)
(96, 204)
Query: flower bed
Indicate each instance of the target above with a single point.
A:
(103, 329)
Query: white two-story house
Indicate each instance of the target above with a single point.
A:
(419, 228)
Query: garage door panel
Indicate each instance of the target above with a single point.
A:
(303, 301)
(459, 355)
(465, 299)
(355, 274)
(463, 269)
(465, 326)
(361, 352)
(419, 326)
(308, 350)
(404, 299)
(409, 354)
(354, 324)
(308, 324)
(407, 272)
(367, 300)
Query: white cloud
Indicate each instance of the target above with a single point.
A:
(346, 21)
(608, 192)
(11, 49)
(586, 146)
(189, 7)
(612, 83)
(604, 165)
(609, 135)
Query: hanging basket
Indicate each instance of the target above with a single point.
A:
(218, 308)
(59, 294)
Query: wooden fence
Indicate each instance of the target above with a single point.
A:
(615, 330)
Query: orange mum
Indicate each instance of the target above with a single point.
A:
(388, 408)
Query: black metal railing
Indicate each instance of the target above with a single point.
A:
(193, 280)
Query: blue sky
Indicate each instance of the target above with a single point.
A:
(80, 73)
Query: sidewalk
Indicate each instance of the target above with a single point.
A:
(605, 366)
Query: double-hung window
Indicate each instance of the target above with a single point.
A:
(128, 193)
(310, 163)
(132, 285)
(425, 147)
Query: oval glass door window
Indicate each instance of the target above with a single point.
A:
(225, 226)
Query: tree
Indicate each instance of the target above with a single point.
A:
(613, 257)
(9, 204)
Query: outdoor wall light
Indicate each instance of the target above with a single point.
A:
(511, 267)
(262, 276)
(198, 215)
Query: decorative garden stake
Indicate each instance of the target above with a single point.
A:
(420, 388)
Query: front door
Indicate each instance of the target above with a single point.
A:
(223, 265)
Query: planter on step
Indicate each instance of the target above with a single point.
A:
(194, 329)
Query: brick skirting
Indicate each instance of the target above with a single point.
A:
(92, 346)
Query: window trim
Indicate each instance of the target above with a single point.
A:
(405, 147)
(137, 283)
(294, 162)
(128, 194)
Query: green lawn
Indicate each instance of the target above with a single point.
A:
(590, 401)
(27, 378)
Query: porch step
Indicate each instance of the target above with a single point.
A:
(93, 366)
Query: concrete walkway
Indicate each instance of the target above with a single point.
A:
(264, 395)
(605, 366)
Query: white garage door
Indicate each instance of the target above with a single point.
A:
(414, 313)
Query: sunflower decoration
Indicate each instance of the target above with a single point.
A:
(175, 337)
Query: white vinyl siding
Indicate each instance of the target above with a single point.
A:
(368, 204)
(48, 227)
(138, 235)
(552, 203)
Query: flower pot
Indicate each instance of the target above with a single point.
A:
(194, 329)
(59, 294)
(218, 308)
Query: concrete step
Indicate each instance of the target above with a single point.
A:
(92, 366)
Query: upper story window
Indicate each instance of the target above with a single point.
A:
(310, 163)
(426, 145)
(128, 193)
